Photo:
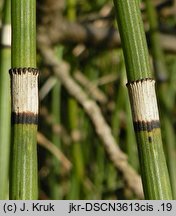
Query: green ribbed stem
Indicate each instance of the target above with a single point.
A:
(24, 181)
(163, 89)
(154, 171)
(24, 175)
(153, 166)
(133, 39)
(5, 64)
(23, 33)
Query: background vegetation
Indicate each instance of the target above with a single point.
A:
(86, 141)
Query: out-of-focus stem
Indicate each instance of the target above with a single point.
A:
(5, 64)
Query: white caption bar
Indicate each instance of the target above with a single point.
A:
(88, 207)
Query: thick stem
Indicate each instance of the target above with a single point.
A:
(24, 90)
(24, 87)
(23, 33)
(141, 88)
(147, 127)
(133, 39)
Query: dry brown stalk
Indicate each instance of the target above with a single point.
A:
(91, 88)
(43, 141)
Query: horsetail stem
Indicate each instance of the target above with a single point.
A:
(142, 94)
(5, 62)
(165, 102)
(133, 39)
(24, 91)
(23, 33)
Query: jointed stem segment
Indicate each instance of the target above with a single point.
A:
(24, 89)
(143, 101)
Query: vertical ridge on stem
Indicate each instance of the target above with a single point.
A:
(143, 100)
(24, 91)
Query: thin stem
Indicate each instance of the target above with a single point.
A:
(142, 95)
(78, 168)
(78, 163)
(55, 188)
(5, 63)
